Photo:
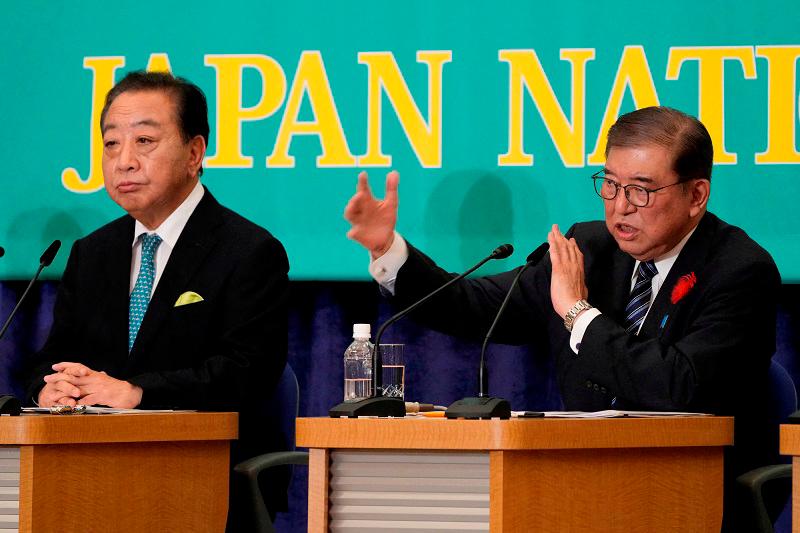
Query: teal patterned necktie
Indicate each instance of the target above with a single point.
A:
(140, 297)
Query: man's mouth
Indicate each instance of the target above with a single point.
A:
(625, 231)
(128, 186)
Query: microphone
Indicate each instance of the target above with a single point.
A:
(9, 404)
(48, 255)
(44, 261)
(377, 404)
(2, 251)
(484, 406)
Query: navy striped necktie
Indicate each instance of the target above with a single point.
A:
(639, 302)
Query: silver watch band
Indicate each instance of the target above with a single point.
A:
(569, 318)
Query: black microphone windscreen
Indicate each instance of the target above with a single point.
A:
(50, 253)
(502, 251)
(2, 251)
(538, 253)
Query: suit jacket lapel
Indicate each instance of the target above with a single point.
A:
(614, 292)
(691, 259)
(117, 286)
(195, 242)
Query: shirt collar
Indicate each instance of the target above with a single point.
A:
(664, 263)
(173, 225)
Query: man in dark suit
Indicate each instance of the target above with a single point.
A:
(181, 303)
(662, 307)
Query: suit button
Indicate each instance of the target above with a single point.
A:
(596, 387)
(588, 384)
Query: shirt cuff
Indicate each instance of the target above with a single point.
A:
(579, 327)
(385, 268)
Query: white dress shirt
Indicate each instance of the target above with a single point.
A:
(169, 231)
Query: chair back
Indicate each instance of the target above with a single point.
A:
(287, 398)
(782, 393)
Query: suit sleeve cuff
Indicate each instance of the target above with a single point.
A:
(579, 327)
(385, 268)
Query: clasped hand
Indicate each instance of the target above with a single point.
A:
(75, 383)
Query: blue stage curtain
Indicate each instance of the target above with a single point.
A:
(439, 368)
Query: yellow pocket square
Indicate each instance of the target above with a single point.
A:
(187, 298)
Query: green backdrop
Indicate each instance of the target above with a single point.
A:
(468, 200)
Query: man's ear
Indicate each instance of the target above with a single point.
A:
(197, 151)
(699, 191)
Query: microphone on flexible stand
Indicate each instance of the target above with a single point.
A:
(377, 404)
(45, 260)
(485, 406)
(10, 405)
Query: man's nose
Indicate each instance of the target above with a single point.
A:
(127, 160)
(622, 205)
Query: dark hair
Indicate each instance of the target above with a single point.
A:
(683, 134)
(190, 102)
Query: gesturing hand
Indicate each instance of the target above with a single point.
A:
(567, 284)
(373, 221)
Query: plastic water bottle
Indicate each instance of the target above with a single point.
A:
(358, 365)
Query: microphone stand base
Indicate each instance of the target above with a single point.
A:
(376, 406)
(10, 405)
(479, 408)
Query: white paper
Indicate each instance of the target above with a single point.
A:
(611, 413)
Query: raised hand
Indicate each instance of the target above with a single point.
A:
(373, 221)
(567, 284)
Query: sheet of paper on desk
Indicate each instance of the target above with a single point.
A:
(104, 411)
(610, 413)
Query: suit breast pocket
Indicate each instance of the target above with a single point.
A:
(190, 325)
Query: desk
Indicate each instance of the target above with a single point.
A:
(139, 472)
(790, 445)
(601, 475)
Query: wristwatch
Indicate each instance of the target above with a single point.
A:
(569, 318)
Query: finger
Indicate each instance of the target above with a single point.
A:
(576, 251)
(571, 248)
(353, 234)
(66, 400)
(61, 376)
(67, 389)
(363, 183)
(83, 381)
(555, 249)
(76, 369)
(91, 399)
(392, 182)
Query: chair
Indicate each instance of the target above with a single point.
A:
(769, 487)
(287, 397)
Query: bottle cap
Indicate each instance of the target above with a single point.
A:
(361, 331)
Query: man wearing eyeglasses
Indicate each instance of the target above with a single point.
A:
(663, 307)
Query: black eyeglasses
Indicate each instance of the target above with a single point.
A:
(637, 195)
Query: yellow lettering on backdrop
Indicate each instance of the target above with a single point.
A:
(525, 71)
(103, 69)
(782, 98)
(230, 111)
(711, 86)
(634, 74)
(312, 79)
(159, 63)
(425, 137)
